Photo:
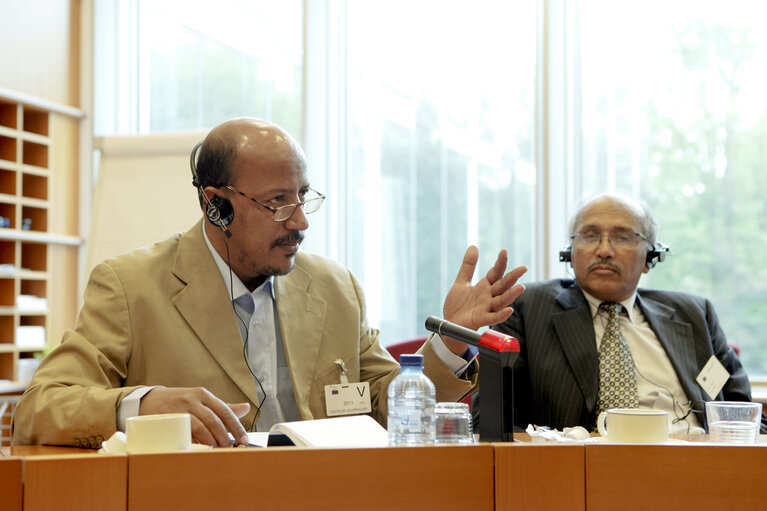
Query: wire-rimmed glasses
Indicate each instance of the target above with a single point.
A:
(617, 239)
(311, 203)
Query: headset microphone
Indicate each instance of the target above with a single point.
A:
(219, 210)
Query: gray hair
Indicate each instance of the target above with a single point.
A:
(641, 210)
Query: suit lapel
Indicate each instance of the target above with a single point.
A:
(676, 338)
(575, 331)
(302, 321)
(205, 291)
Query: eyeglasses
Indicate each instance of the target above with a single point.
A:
(616, 239)
(311, 203)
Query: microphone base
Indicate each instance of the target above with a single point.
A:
(496, 396)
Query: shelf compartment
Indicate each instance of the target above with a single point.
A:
(33, 186)
(7, 292)
(37, 216)
(34, 154)
(33, 288)
(34, 256)
(8, 211)
(32, 320)
(36, 121)
(7, 182)
(6, 364)
(6, 330)
(8, 254)
(8, 115)
(8, 148)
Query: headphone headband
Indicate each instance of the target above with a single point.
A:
(193, 164)
(655, 254)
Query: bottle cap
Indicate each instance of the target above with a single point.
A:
(411, 360)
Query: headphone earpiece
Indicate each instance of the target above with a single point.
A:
(657, 254)
(565, 255)
(220, 211)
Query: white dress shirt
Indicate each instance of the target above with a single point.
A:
(260, 330)
(657, 381)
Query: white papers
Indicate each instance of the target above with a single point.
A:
(336, 432)
(542, 434)
(26, 368)
(30, 336)
(31, 303)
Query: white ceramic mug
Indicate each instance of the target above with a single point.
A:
(634, 425)
(159, 433)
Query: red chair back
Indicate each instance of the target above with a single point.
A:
(407, 347)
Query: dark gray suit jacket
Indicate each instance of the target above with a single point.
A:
(556, 375)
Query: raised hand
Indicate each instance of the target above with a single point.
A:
(486, 303)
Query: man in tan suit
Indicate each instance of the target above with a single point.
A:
(229, 322)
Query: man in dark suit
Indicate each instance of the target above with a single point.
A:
(671, 336)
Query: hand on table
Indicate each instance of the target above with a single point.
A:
(212, 419)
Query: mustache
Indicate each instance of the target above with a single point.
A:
(604, 262)
(290, 239)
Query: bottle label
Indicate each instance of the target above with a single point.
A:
(349, 399)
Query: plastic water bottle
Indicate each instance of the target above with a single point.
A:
(411, 400)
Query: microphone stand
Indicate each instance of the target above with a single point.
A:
(497, 354)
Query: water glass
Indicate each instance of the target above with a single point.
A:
(454, 424)
(734, 422)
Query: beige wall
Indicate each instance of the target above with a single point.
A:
(40, 42)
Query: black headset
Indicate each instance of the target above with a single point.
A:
(655, 254)
(219, 210)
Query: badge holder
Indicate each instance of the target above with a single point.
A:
(498, 352)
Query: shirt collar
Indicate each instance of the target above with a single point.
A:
(239, 288)
(628, 304)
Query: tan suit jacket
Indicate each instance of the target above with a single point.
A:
(162, 315)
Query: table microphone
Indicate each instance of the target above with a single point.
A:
(489, 339)
(497, 354)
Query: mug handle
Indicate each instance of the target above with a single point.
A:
(601, 426)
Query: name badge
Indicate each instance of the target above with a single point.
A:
(712, 377)
(347, 399)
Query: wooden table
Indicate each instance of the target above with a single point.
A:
(439, 478)
(485, 476)
(10, 484)
(64, 478)
(418, 478)
(539, 476)
(694, 477)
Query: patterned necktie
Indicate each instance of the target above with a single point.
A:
(617, 381)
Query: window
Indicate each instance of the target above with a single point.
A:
(180, 65)
(441, 144)
(432, 125)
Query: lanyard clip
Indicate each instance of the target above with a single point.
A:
(342, 371)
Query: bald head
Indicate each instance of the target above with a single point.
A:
(236, 140)
(619, 201)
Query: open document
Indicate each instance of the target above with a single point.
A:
(336, 432)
